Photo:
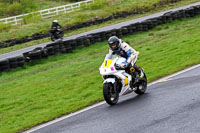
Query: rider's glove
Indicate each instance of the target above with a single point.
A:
(124, 65)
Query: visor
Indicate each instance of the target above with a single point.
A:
(114, 45)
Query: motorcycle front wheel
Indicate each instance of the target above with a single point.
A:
(52, 38)
(110, 96)
(61, 35)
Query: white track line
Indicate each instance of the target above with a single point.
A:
(64, 117)
(101, 103)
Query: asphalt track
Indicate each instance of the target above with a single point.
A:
(116, 26)
(171, 105)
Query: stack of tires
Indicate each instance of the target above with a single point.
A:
(71, 43)
(36, 54)
(66, 47)
(4, 65)
(50, 49)
(11, 63)
(79, 41)
(16, 62)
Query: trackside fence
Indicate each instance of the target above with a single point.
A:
(47, 13)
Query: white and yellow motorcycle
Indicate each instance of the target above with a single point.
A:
(119, 81)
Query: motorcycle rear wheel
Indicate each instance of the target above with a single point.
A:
(110, 96)
(141, 86)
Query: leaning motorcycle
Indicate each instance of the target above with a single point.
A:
(118, 81)
(57, 35)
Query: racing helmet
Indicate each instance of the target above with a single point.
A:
(55, 21)
(114, 43)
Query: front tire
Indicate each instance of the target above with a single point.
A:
(61, 35)
(110, 96)
(52, 38)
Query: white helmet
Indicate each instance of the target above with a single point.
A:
(56, 21)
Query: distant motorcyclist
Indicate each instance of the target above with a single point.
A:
(56, 32)
(55, 26)
(121, 48)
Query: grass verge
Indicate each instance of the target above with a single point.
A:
(65, 83)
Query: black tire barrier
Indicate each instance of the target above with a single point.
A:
(4, 62)
(44, 53)
(94, 21)
(79, 41)
(86, 42)
(11, 63)
(65, 47)
(21, 63)
(50, 50)
(35, 55)
(5, 68)
(91, 38)
(68, 45)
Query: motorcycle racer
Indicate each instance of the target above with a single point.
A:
(56, 31)
(121, 48)
(55, 26)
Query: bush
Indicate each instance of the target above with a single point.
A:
(28, 6)
(14, 9)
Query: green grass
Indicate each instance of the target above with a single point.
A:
(18, 7)
(65, 83)
(74, 32)
(79, 16)
(45, 4)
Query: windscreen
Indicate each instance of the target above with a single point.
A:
(109, 56)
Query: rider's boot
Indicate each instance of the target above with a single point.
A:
(140, 70)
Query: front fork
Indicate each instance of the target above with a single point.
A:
(115, 86)
(113, 81)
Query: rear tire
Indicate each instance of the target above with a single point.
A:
(141, 86)
(110, 96)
